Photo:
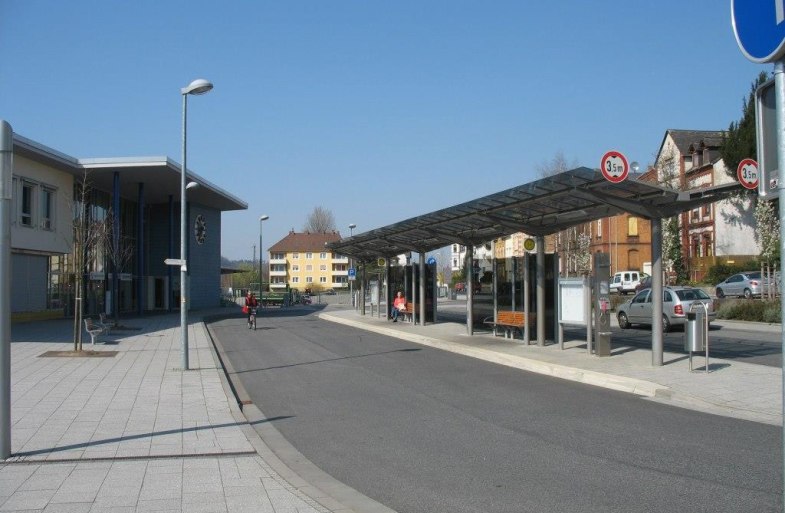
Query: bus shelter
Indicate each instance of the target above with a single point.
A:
(538, 208)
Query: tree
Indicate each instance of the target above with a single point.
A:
(768, 236)
(741, 140)
(320, 220)
(88, 234)
(671, 251)
(569, 242)
(117, 249)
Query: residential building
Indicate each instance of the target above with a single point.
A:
(302, 261)
(626, 238)
(718, 232)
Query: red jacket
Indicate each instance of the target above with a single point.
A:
(251, 302)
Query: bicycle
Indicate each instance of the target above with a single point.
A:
(252, 318)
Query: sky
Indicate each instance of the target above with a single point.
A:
(377, 111)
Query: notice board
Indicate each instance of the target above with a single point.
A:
(571, 301)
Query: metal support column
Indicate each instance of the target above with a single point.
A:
(140, 261)
(115, 295)
(656, 290)
(468, 265)
(422, 288)
(527, 336)
(364, 286)
(6, 183)
(540, 290)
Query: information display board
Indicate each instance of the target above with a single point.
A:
(572, 309)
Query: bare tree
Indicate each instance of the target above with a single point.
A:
(320, 220)
(116, 248)
(565, 242)
(87, 237)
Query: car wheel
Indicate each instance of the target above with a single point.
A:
(666, 324)
(624, 323)
(720, 293)
(747, 294)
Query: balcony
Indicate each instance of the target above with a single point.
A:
(341, 273)
(274, 261)
(278, 273)
(341, 259)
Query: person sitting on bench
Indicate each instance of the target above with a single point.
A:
(399, 304)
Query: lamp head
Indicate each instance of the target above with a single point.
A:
(264, 218)
(191, 185)
(352, 226)
(198, 86)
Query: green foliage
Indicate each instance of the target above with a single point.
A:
(719, 272)
(747, 310)
(672, 250)
(740, 141)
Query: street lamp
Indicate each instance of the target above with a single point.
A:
(261, 257)
(198, 86)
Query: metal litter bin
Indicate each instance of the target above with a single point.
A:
(695, 331)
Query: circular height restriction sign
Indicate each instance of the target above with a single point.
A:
(747, 172)
(614, 167)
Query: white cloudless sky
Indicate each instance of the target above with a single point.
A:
(377, 111)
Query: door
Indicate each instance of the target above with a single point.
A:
(638, 308)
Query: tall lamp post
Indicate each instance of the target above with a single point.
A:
(198, 86)
(262, 218)
(351, 282)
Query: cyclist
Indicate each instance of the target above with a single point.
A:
(251, 303)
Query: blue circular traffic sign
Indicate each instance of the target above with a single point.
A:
(759, 27)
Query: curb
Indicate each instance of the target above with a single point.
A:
(610, 381)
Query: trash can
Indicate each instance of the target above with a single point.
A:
(695, 331)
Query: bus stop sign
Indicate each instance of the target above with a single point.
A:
(759, 28)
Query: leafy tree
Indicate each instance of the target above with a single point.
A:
(671, 250)
(741, 141)
(320, 220)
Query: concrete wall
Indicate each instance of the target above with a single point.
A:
(35, 238)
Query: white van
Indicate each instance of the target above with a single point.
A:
(625, 281)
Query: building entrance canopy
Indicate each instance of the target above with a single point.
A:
(542, 207)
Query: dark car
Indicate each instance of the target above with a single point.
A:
(644, 284)
(329, 292)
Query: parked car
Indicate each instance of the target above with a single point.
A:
(644, 284)
(623, 282)
(676, 303)
(329, 292)
(460, 287)
(747, 284)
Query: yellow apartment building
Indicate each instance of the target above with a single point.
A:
(302, 261)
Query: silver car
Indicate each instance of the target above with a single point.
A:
(677, 302)
(747, 284)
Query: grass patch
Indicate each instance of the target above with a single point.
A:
(749, 310)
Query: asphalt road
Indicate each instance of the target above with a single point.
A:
(421, 430)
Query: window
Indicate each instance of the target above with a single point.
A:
(295, 256)
(295, 268)
(599, 228)
(26, 207)
(308, 255)
(295, 279)
(632, 227)
(323, 279)
(277, 256)
(707, 210)
(309, 267)
(47, 208)
(695, 214)
(323, 267)
(309, 279)
(323, 256)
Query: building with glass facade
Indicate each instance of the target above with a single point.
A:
(112, 222)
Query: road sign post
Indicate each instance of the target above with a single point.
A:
(759, 28)
(747, 173)
(614, 167)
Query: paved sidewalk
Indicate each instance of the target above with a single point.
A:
(730, 388)
(133, 432)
